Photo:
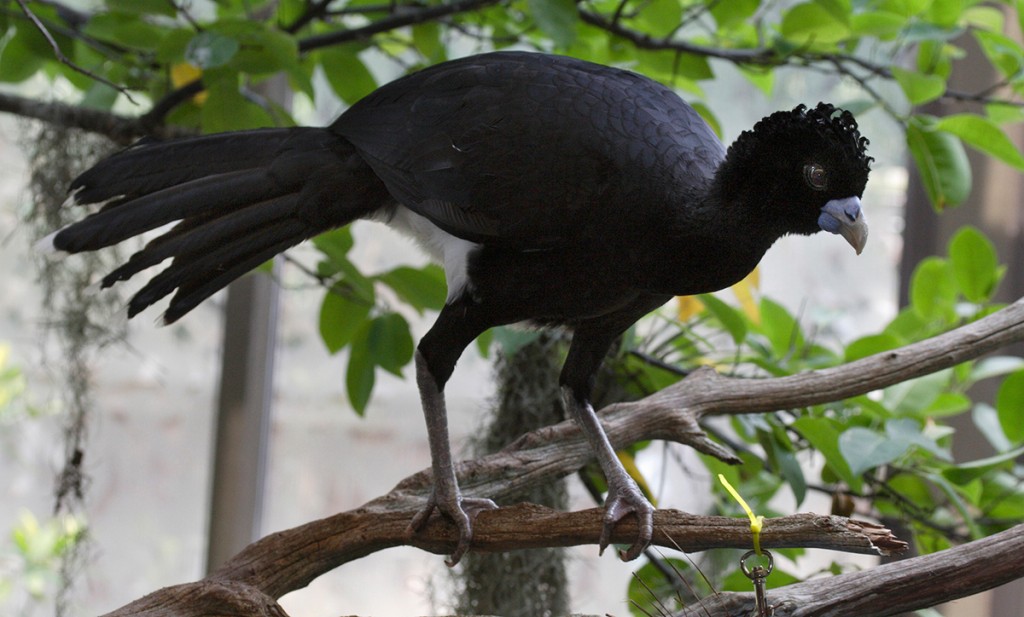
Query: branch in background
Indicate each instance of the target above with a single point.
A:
(400, 19)
(120, 129)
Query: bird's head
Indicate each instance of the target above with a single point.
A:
(802, 171)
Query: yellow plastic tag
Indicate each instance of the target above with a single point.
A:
(756, 522)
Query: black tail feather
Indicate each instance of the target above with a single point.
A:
(196, 289)
(237, 199)
(204, 237)
(217, 193)
(150, 166)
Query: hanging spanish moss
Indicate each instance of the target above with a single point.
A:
(76, 321)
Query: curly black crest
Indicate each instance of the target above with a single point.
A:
(839, 122)
(788, 131)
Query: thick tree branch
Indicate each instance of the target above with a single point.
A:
(905, 585)
(290, 559)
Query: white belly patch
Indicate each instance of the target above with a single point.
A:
(450, 251)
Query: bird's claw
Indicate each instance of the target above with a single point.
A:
(461, 511)
(622, 501)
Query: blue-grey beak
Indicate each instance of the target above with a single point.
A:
(844, 217)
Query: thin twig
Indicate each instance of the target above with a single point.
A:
(64, 59)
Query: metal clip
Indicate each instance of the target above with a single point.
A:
(757, 575)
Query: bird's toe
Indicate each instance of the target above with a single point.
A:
(619, 505)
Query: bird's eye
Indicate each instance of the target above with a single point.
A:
(816, 176)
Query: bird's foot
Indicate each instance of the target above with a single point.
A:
(625, 498)
(461, 511)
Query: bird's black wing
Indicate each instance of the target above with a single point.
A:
(512, 147)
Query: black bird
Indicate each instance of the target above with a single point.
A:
(553, 191)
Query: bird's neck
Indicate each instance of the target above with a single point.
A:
(710, 247)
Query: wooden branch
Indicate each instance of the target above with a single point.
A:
(890, 589)
(290, 559)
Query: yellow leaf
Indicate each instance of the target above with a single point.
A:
(184, 73)
(744, 292)
(688, 307)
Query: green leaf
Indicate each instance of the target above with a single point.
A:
(658, 15)
(881, 24)
(340, 318)
(693, 67)
(941, 161)
(261, 49)
(975, 265)
(985, 17)
(919, 88)
(360, 374)
(734, 12)
(986, 419)
(335, 244)
(822, 434)
(947, 404)
(819, 22)
(994, 366)
(1004, 113)
(427, 37)
(1004, 53)
(790, 470)
(346, 73)
(984, 135)
(226, 109)
(909, 432)
(907, 8)
(209, 50)
(933, 289)
(126, 30)
(1010, 406)
(422, 288)
(390, 343)
(967, 472)
(781, 328)
(915, 396)
(512, 339)
(865, 449)
(142, 7)
(25, 53)
(731, 319)
(557, 19)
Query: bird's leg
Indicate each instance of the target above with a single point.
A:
(445, 495)
(624, 496)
